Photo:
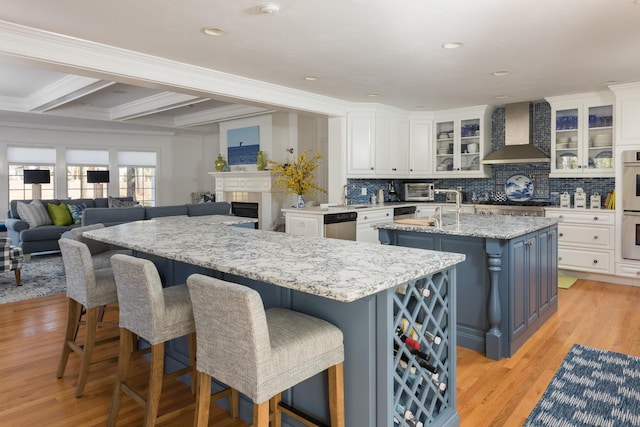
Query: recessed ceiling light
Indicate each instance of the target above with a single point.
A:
(269, 8)
(310, 78)
(502, 73)
(373, 95)
(452, 45)
(211, 31)
(501, 96)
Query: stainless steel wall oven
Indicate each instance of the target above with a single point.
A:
(631, 205)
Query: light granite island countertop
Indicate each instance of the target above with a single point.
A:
(369, 291)
(486, 226)
(331, 268)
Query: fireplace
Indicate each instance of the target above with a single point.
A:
(247, 210)
(254, 194)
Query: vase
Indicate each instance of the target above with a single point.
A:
(220, 163)
(299, 201)
(260, 161)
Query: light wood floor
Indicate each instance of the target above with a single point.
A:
(490, 393)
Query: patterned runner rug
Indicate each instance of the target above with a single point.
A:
(592, 388)
(41, 276)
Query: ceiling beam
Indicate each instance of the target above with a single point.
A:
(153, 104)
(65, 90)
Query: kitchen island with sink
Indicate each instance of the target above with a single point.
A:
(507, 286)
(377, 295)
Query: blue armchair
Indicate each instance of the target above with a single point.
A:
(12, 257)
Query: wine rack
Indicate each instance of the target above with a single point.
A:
(422, 385)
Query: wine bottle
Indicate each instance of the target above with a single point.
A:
(420, 287)
(423, 363)
(410, 342)
(432, 338)
(440, 386)
(408, 416)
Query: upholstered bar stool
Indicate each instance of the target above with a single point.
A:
(88, 290)
(101, 252)
(157, 315)
(260, 353)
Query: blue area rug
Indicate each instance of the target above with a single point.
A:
(592, 388)
(41, 276)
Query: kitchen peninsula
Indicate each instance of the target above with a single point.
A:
(507, 286)
(376, 294)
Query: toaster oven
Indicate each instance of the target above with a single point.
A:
(419, 192)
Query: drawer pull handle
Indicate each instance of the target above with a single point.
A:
(387, 213)
(595, 261)
(595, 218)
(560, 216)
(560, 234)
(559, 258)
(595, 237)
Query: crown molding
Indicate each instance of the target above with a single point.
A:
(107, 62)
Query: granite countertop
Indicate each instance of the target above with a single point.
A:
(486, 226)
(317, 210)
(335, 269)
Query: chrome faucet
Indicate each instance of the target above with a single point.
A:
(345, 193)
(458, 203)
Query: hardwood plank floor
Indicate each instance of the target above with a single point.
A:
(489, 393)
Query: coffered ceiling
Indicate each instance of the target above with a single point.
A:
(354, 50)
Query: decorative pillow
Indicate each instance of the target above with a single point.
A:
(76, 212)
(116, 203)
(59, 214)
(34, 213)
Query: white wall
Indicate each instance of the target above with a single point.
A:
(183, 160)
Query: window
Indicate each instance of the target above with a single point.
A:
(21, 158)
(78, 163)
(137, 176)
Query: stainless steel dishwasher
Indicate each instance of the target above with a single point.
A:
(340, 225)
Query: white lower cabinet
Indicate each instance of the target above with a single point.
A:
(365, 225)
(585, 239)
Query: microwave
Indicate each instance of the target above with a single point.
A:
(419, 192)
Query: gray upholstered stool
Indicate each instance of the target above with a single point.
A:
(157, 315)
(260, 353)
(101, 253)
(88, 291)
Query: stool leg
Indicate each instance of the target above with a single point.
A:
(87, 350)
(275, 410)
(17, 270)
(261, 414)
(192, 361)
(126, 348)
(233, 404)
(203, 400)
(336, 395)
(72, 320)
(155, 384)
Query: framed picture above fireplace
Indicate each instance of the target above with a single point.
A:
(243, 145)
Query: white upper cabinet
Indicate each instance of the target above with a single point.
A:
(582, 135)
(378, 144)
(462, 138)
(420, 147)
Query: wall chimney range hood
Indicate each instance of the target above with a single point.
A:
(518, 138)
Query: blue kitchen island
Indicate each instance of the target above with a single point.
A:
(388, 301)
(508, 285)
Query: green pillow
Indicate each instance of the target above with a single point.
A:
(59, 214)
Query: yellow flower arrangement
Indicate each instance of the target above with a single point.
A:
(298, 177)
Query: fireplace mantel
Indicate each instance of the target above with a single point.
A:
(270, 201)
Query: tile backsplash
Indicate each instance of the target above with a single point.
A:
(545, 189)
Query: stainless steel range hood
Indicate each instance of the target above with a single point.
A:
(518, 139)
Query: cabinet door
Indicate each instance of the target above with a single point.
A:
(392, 146)
(469, 146)
(548, 271)
(420, 157)
(361, 147)
(366, 233)
(444, 146)
(309, 226)
(568, 156)
(599, 138)
(525, 288)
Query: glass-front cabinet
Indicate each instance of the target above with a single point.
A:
(461, 141)
(582, 137)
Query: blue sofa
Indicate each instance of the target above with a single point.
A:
(45, 238)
